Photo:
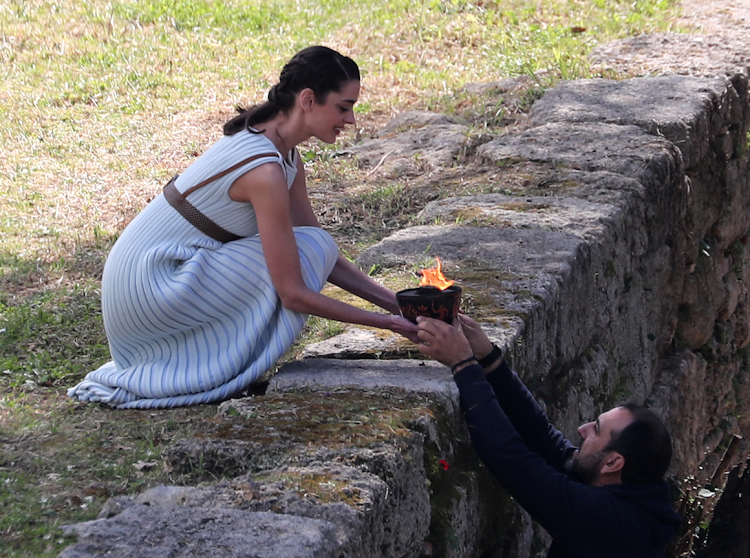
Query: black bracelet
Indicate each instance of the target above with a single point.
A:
(491, 358)
(464, 361)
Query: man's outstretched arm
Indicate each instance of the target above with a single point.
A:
(528, 417)
(524, 412)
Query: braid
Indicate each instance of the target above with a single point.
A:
(318, 68)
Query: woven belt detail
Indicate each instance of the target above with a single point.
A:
(194, 216)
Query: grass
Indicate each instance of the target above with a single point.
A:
(102, 101)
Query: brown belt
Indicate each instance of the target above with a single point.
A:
(192, 215)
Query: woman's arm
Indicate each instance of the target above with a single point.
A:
(265, 188)
(345, 274)
(352, 279)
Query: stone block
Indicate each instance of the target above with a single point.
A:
(673, 106)
(167, 531)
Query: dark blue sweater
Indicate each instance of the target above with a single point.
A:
(516, 441)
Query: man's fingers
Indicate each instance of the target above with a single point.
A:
(431, 324)
(424, 332)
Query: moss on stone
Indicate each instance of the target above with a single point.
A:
(342, 417)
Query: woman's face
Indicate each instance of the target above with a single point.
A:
(328, 120)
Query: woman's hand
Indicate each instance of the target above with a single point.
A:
(445, 343)
(404, 327)
(480, 343)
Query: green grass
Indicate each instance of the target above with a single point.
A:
(60, 462)
(102, 101)
(94, 95)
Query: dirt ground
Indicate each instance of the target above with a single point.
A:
(719, 43)
(730, 17)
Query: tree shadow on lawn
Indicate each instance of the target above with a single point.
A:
(60, 459)
(51, 330)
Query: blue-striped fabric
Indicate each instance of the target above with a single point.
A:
(191, 320)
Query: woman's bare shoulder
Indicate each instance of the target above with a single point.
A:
(268, 176)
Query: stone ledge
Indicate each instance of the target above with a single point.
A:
(621, 274)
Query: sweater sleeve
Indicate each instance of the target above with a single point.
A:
(566, 509)
(528, 418)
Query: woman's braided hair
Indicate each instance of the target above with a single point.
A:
(317, 67)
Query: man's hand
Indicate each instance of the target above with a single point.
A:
(445, 343)
(480, 343)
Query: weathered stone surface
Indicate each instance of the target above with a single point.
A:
(350, 500)
(564, 214)
(417, 376)
(680, 393)
(424, 141)
(165, 532)
(356, 343)
(702, 301)
(676, 107)
(372, 498)
(625, 150)
(532, 252)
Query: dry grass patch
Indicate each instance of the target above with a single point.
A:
(103, 101)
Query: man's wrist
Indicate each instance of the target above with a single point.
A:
(492, 359)
(463, 364)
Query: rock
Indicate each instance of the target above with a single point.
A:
(624, 150)
(356, 343)
(675, 107)
(166, 495)
(115, 506)
(678, 399)
(167, 531)
(413, 376)
(412, 143)
(552, 213)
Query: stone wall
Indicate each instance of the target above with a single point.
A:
(663, 295)
(612, 262)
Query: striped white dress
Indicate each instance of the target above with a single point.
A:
(191, 320)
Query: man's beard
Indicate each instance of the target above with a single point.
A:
(585, 469)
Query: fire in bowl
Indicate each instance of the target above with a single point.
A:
(431, 302)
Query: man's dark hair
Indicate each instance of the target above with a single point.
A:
(317, 67)
(646, 446)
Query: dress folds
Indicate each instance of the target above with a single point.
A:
(191, 320)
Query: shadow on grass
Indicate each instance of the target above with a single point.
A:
(60, 460)
(51, 330)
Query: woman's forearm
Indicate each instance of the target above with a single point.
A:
(311, 302)
(352, 279)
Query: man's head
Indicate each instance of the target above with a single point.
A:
(628, 444)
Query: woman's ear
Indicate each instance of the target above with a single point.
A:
(306, 99)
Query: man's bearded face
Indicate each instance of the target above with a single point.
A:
(585, 468)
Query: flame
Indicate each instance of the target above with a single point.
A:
(434, 277)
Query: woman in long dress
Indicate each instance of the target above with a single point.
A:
(194, 315)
